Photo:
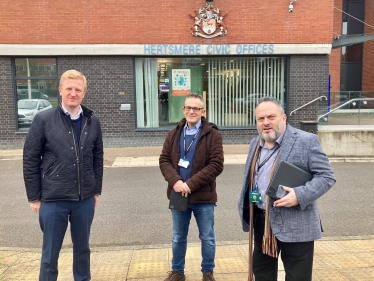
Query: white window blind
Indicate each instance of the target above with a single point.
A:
(236, 84)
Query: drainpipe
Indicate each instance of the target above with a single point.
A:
(328, 93)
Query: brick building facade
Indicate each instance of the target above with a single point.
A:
(366, 50)
(109, 41)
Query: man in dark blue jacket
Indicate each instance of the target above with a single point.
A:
(63, 171)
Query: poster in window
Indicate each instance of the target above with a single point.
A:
(181, 82)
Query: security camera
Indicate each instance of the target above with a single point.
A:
(290, 8)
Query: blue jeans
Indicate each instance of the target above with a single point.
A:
(204, 215)
(53, 218)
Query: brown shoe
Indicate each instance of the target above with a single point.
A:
(175, 276)
(208, 276)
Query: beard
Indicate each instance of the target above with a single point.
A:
(270, 137)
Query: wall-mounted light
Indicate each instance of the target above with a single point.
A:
(290, 7)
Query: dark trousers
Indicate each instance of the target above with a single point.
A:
(53, 218)
(297, 257)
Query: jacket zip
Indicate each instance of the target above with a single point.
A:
(77, 153)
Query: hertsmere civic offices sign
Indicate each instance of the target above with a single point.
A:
(209, 49)
(161, 49)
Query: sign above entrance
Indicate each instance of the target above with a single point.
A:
(244, 49)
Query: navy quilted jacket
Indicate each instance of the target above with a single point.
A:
(55, 167)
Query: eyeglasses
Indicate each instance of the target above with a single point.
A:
(194, 109)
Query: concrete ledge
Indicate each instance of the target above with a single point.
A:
(348, 141)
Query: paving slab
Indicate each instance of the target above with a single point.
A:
(336, 258)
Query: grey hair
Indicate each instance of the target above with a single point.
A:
(196, 96)
(270, 99)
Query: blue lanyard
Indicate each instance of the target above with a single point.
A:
(259, 166)
(184, 141)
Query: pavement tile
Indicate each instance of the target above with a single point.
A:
(27, 257)
(366, 256)
(244, 250)
(149, 161)
(235, 159)
(344, 260)
(357, 245)
(3, 267)
(228, 251)
(339, 259)
(364, 274)
(328, 247)
(328, 275)
(319, 263)
(110, 265)
(150, 255)
(22, 272)
(9, 257)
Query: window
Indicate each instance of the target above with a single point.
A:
(35, 88)
(231, 88)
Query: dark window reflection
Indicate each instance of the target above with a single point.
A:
(42, 67)
(36, 88)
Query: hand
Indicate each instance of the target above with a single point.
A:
(186, 191)
(182, 187)
(35, 206)
(289, 200)
(97, 197)
(178, 186)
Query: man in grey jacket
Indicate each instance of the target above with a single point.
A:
(289, 225)
(63, 171)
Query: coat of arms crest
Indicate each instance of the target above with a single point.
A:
(208, 23)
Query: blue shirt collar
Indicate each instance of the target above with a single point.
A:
(193, 130)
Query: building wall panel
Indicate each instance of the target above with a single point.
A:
(164, 21)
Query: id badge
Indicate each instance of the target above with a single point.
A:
(183, 163)
(255, 197)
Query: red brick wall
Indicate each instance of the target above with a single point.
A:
(335, 57)
(162, 21)
(368, 55)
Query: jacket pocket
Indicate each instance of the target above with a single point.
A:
(51, 168)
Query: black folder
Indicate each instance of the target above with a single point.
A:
(289, 175)
(177, 201)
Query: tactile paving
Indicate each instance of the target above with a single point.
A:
(230, 265)
(148, 269)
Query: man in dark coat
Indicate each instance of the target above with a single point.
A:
(191, 160)
(63, 171)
